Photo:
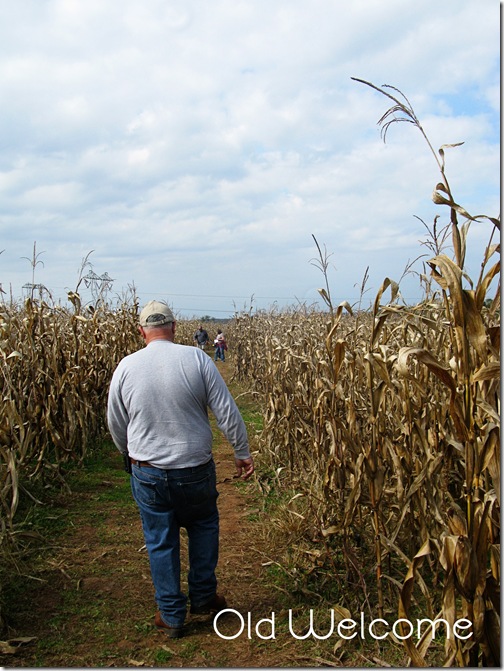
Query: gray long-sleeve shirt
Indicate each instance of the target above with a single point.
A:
(157, 406)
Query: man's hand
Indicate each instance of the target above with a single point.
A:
(244, 468)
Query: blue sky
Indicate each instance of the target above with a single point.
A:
(195, 148)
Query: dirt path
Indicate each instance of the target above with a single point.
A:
(90, 602)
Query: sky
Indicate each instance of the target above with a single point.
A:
(191, 151)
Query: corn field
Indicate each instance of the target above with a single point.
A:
(382, 425)
(391, 445)
(56, 366)
(386, 426)
(56, 369)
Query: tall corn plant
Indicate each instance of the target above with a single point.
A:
(55, 367)
(468, 549)
(386, 423)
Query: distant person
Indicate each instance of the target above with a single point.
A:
(220, 346)
(157, 416)
(201, 337)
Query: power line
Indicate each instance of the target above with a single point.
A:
(253, 297)
(250, 296)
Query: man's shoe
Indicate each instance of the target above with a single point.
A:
(215, 605)
(171, 632)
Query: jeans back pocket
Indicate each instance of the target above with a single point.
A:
(195, 498)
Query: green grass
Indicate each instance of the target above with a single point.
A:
(40, 526)
(163, 656)
(253, 419)
(189, 649)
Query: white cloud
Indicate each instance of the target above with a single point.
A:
(192, 140)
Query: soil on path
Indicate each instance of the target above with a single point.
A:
(90, 600)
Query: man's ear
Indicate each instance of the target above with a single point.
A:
(142, 332)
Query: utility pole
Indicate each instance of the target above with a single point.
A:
(100, 285)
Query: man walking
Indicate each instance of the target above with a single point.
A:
(157, 416)
(201, 337)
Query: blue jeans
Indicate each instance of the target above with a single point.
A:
(168, 500)
(219, 354)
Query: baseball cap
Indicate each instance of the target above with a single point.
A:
(155, 313)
